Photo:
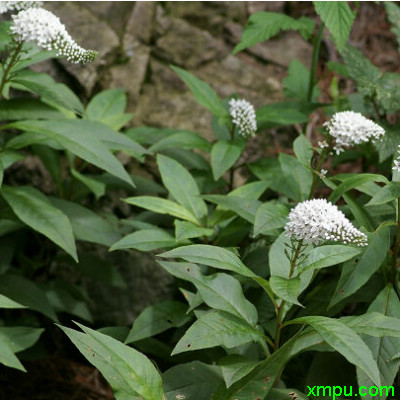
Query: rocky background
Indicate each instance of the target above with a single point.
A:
(137, 41)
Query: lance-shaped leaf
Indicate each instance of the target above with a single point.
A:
(181, 185)
(129, 372)
(213, 256)
(34, 209)
(203, 93)
(156, 319)
(285, 288)
(224, 154)
(77, 137)
(383, 348)
(162, 206)
(217, 329)
(344, 340)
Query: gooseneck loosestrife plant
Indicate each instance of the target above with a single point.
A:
(296, 268)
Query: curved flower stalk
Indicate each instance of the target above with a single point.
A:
(349, 128)
(317, 220)
(6, 6)
(47, 31)
(244, 116)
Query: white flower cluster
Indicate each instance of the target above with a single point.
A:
(6, 6)
(244, 116)
(350, 128)
(396, 162)
(317, 220)
(44, 28)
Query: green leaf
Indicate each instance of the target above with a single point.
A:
(15, 339)
(374, 324)
(303, 149)
(108, 107)
(223, 292)
(182, 139)
(385, 347)
(5, 37)
(6, 302)
(34, 209)
(191, 381)
(345, 341)
(285, 113)
(387, 193)
(86, 224)
(297, 177)
(217, 329)
(202, 92)
(156, 319)
(338, 18)
(219, 291)
(162, 206)
(16, 109)
(212, 256)
(96, 187)
(393, 14)
(187, 230)
(130, 373)
(296, 82)
(361, 70)
(326, 256)
(355, 274)
(244, 207)
(389, 143)
(63, 298)
(353, 182)
(223, 155)
(77, 136)
(48, 89)
(235, 367)
(252, 190)
(181, 185)
(145, 240)
(269, 217)
(286, 289)
(264, 25)
(26, 293)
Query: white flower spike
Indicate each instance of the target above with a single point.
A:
(244, 116)
(47, 31)
(350, 128)
(315, 221)
(6, 6)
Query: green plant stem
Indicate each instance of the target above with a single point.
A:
(281, 307)
(13, 59)
(314, 62)
(321, 160)
(396, 244)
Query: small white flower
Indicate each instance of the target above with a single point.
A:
(6, 6)
(317, 220)
(244, 116)
(350, 128)
(324, 172)
(396, 162)
(44, 28)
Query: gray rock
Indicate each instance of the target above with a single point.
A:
(141, 23)
(89, 32)
(185, 45)
(130, 75)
